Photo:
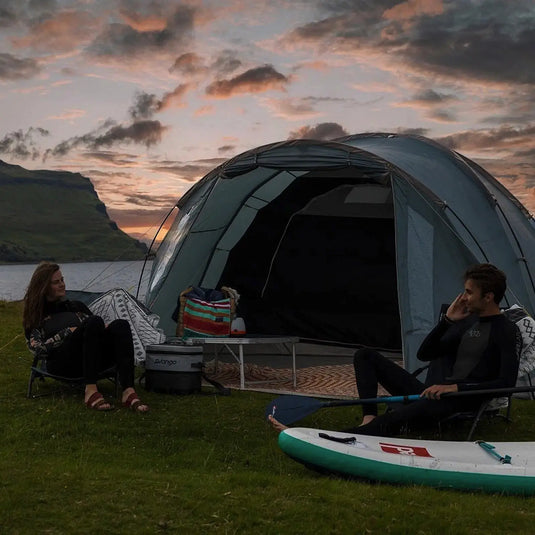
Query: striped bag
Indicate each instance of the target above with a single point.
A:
(205, 313)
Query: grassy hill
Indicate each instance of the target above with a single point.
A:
(57, 215)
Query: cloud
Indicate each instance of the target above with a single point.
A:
(21, 144)
(432, 102)
(472, 41)
(414, 8)
(255, 80)
(68, 115)
(226, 148)
(505, 137)
(116, 159)
(8, 13)
(189, 64)
(192, 65)
(62, 31)
(430, 97)
(293, 108)
(145, 106)
(16, 68)
(226, 63)
(204, 110)
(141, 38)
(142, 132)
(174, 99)
(322, 131)
(190, 172)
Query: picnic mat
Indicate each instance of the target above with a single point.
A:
(330, 381)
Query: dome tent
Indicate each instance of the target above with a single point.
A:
(355, 241)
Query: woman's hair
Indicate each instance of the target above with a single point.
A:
(489, 279)
(34, 300)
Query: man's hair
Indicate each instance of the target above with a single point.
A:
(489, 279)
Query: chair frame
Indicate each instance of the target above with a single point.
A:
(476, 415)
(39, 372)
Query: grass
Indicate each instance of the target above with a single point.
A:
(204, 464)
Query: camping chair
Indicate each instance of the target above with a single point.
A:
(489, 408)
(39, 371)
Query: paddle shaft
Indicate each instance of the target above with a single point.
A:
(497, 392)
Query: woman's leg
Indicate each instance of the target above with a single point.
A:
(80, 355)
(120, 351)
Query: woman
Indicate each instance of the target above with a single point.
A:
(74, 341)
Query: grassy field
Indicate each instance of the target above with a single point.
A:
(204, 464)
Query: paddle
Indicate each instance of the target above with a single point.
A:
(289, 409)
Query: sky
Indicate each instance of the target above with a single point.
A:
(145, 97)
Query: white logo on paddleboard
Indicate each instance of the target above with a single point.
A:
(417, 451)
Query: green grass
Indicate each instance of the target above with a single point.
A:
(204, 464)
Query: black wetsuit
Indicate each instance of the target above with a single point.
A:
(475, 353)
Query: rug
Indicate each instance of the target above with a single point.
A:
(327, 381)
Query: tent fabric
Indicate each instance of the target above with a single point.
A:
(356, 241)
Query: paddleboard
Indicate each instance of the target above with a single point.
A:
(503, 467)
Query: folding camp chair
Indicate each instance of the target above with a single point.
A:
(490, 408)
(39, 372)
(487, 410)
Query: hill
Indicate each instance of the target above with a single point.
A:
(57, 215)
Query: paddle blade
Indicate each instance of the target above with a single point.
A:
(290, 409)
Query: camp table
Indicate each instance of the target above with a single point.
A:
(231, 343)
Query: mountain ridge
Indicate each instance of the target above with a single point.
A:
(58, 216)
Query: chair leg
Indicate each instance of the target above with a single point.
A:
(477, 417)
(30, 384)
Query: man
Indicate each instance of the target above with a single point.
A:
(474, 346)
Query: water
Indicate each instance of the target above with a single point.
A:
(88, 276)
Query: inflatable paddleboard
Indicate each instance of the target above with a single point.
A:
(504, 467)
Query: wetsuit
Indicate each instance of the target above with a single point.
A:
(474, 353)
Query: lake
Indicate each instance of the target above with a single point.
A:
(88, 276)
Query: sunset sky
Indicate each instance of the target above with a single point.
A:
(145, 97)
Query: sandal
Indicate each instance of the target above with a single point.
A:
(95, 402)
(133, 403)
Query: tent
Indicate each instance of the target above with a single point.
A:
(356, 241)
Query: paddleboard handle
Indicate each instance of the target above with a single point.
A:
(504, 459)
(343, 440)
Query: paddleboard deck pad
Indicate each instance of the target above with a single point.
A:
(503, 467)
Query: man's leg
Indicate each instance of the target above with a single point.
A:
(372, 368)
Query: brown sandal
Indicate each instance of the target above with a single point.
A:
(133, 403)
(95, 402)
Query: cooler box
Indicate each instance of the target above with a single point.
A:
(173, 369)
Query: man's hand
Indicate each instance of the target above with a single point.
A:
(435, 391)
(457, 310)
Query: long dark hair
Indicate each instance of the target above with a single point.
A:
(34, 299)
